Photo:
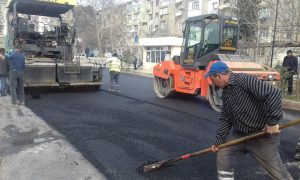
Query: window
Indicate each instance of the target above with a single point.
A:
(1, 28)
(156, 15)
(289, 34)
(179, 25)
(156, 54)
(264, 12)
(164, 11)
(195, 5)
(129, 17)
(261, 51)
(178, 13)
(194, 33)
(202, 37)
(136, 16)
(128, 28)
(129, 6)
(150, 17)
(136, 7)
(157, 2)
(215, 5)
(230, 34)
(164, 3)
(136, 28)
(163, 25)
(211, 34)
(264, 32)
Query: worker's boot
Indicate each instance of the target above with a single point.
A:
(118, 88)
(297, 156)
(111, 88)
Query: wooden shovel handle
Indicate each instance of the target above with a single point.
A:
(244, 139)
(256, 135)
(164, 163)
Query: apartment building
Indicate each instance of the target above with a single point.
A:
(166, 19)
(2, 22)
(287, 34)
(154, 27)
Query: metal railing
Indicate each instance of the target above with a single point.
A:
(283, 85)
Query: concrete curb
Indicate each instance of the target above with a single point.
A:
(286, 104)
(137, 73)
(292, 105)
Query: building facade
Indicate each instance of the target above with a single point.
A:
(2, 23)
(287, 30)
(155, 24)
(287, 36)
(154, 27)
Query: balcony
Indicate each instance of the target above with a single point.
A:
(224, 6)
(178, 1)
(179, 13)
(164, 3)
(163, 13)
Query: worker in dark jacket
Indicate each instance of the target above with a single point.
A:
(249, 106)
(3, 72)
(16, 72)
(290, 62)
(297, 156)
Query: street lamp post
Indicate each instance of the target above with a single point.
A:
(274, 33)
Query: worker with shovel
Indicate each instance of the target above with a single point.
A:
(249, 106)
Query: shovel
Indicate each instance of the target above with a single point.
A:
(163, 163)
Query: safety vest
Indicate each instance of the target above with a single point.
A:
(114, 64)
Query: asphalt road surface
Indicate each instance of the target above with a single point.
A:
(118, 133)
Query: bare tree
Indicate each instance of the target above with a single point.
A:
(257, 19)
(96, 18)
(247, 13)
(85, 26)
(288, 19)
(106, 20)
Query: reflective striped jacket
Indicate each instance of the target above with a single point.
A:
(114, 64)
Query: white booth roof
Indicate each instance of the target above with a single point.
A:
(161, 41)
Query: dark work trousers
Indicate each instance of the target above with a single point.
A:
(3, 85)
(297, 156)
(289, 79)
(263, 149)
(114, 80)
(16, 86)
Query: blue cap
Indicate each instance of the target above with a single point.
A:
(218, 67)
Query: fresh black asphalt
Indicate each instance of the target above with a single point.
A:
(118, 133)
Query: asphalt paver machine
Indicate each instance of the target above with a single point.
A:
(45, 30)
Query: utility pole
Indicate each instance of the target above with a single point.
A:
(274, 33)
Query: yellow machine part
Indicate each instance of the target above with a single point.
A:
(68, 2)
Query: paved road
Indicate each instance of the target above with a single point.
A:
(118, 133)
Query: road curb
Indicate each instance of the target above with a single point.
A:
(137, 73)
(292, 105)
(286, 104)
